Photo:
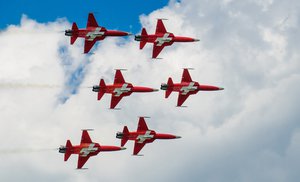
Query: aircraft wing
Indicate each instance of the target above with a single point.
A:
(119, 79)
(115, 100)
(156, 50)
(85, 137)
(142, 126)
(88, 45)
(91, 21)
(81, 161)
(182, 98)
(138, 147)
(160, 27)
(186, 77)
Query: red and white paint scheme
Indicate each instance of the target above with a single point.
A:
(160, 39)
(186, 88)
(142, 136)
(92, 33)
(86, 149)
(119, 89)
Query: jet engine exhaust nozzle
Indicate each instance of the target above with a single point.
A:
(137, 37)
(96, 88)
(69, 32)
(119, 135)
(164, 86)
(62, 149)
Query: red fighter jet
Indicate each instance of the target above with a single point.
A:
(160, 39)
(86, 149)
(92, 33)
(119, 89)
(186, 88)
(142, 136)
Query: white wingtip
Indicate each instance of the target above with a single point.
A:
(144, 117)
(161, 18)
(88, 129)
(189, 68)
(121, 69)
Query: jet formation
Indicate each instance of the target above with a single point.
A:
(120, 88)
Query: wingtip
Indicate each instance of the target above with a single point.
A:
(114, 108)
(144, 117)
(81, 168)
(161, 18)
(123, 148)
(87, 129)
(121, 69)
(180, 106)
(189, 68)
(156, 58)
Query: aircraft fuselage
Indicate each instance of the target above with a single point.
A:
(94, 32)
(145, 136)
(165, 39)
(124, 89)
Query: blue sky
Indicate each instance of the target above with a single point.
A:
(123, 15)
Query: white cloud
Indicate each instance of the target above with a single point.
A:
(248, 132)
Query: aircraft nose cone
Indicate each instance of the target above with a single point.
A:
(178, 136)
(221, 88)
(123, 148)
(155, 90)
(196, 40)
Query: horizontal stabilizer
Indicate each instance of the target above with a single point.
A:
(169, 89)
(143, 35)
(74, 26)
(68, 150)
(125, 137)
(102, 87)
(74, 33)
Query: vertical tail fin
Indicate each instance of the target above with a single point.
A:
(169, 89)
(68, 150)
(143, 35)
(125, 136)
(102, 89)
(74, 33)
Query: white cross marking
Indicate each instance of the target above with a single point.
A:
(92, 35)
(123, 89)
(162, 40)
(188, 88)
(142, 138)
(86, 151)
